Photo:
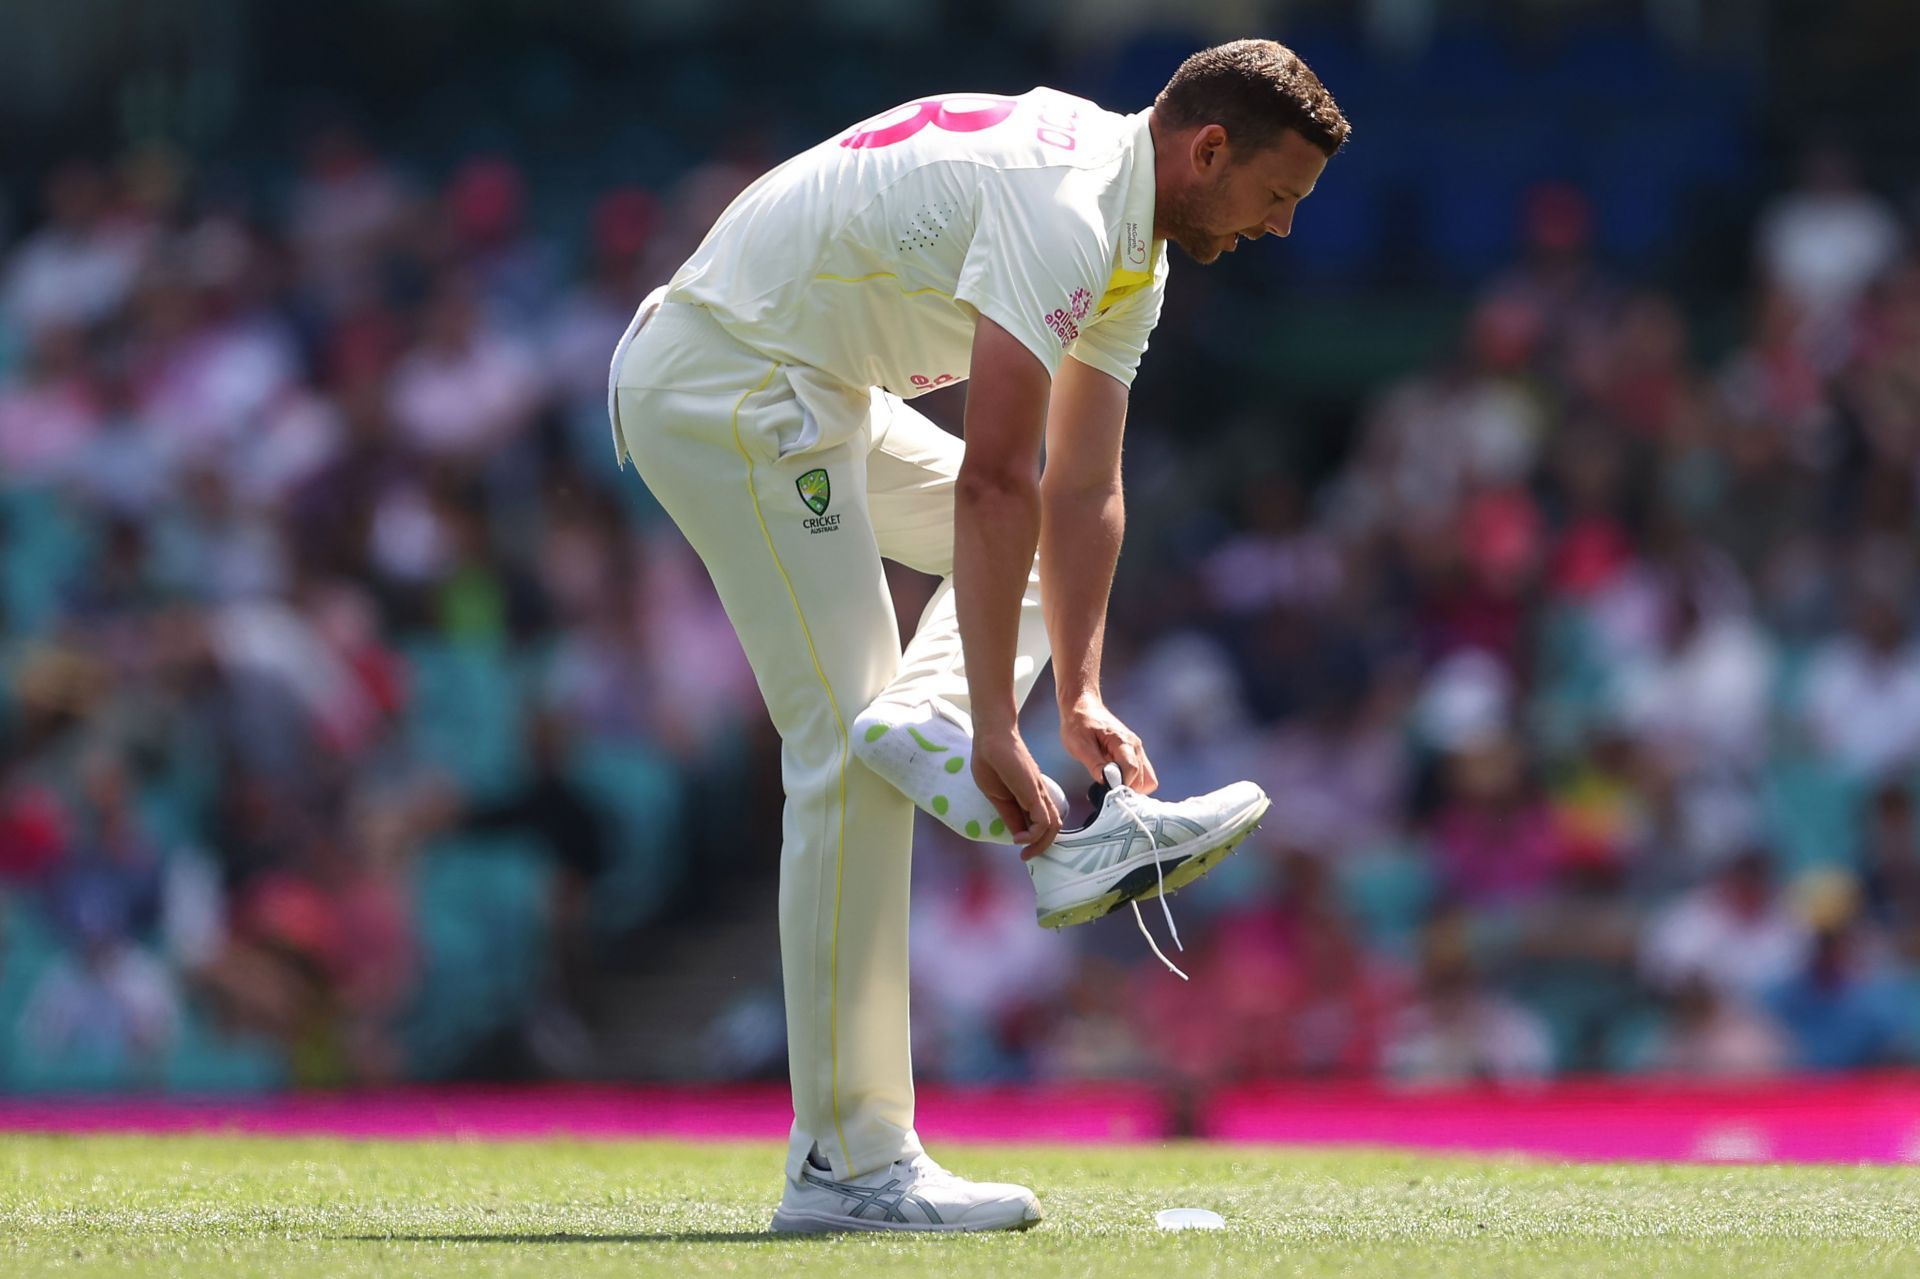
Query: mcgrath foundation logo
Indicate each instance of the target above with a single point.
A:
(816, 490)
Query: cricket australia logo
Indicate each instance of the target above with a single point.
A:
(816, 490)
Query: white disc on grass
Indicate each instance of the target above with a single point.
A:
(1188, 1219)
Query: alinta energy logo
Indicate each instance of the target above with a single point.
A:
(1067, 327)
(816, 490)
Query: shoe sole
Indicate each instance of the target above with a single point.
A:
(1144, 883)
(821, 1223)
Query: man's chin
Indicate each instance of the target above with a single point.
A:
(1206, 254)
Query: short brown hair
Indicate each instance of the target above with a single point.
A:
(1256, 90)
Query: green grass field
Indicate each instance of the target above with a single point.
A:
(207, 1206)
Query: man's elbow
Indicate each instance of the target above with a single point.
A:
(986, 486)
(1082, 490)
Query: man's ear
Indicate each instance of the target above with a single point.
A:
(1209, 147)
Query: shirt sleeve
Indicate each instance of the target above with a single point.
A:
(1114, 341)
(1035, 260)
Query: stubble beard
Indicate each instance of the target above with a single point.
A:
(1185, 217)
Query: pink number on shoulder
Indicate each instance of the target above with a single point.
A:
(961, 114)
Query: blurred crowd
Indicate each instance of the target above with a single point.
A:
(351, 699)
(358, 714)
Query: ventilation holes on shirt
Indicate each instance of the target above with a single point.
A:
(926, 227)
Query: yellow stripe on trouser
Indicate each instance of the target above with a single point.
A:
(840, 726)
(695, 404)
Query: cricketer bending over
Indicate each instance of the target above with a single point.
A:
(762, 395)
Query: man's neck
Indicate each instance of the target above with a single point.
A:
(1158, 132)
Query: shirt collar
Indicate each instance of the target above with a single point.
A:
(1136, 254)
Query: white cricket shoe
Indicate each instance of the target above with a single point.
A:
(913, 1194)
(1136, 848)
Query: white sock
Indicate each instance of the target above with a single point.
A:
(926, 753)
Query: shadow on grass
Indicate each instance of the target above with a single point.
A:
(684, 1236)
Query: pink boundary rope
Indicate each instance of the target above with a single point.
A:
(1874, 1119)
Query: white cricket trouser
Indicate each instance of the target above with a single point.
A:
(722, 434)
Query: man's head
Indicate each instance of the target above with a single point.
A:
(1240, 136)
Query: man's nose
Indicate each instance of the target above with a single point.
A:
(1281, 224)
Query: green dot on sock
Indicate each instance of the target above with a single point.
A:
(955, 764)
(939, 805)
(997, 827)
(973, 830)
(876, 731)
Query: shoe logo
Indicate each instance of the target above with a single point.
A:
(1169, 832)
(816, 490)
(887, 1199)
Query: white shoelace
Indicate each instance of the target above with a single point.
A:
(1120, 798)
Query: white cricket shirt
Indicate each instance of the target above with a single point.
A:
(867, 256)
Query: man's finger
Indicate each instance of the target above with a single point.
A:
(1013, 815)
(1087, 752)
(1150, 777)
(1123, 752)
(1051, 814)
(995, 788)
(1034, 803)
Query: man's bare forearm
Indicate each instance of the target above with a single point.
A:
(996, 517)
(996, 527)
(1080, 533)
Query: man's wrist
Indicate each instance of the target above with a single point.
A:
(994, 718)
(1071, 699)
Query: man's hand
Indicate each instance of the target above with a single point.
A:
(1007, 775)
(1095, 736)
